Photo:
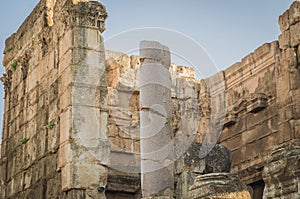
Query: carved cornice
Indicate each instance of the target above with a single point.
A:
(89, 14)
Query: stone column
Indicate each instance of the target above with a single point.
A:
(156, 129)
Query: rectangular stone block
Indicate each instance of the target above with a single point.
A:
(295, 34)
(233, 143)
(65, 61)
(53, 138)
(51, 165)
(33, 79)
(295, 125)
(89, 174)
(284, 22)
(284, 133)
(65, 155)
(66, 98)
(258, 132)
(40, 141)
(38, 171)
(92, 39)
(295, 78)
(284, 40)
(27, 175)
(66, 43)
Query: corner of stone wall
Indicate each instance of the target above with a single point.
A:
(41, 156)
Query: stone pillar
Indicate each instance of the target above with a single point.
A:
(84, 147)
(282, 172)
(156, 129)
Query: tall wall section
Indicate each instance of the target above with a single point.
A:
(263, 112)
(42, 153)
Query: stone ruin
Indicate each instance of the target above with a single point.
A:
(72, 114)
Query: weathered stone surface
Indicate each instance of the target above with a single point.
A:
(284, 162)
(156, 114)
(218, 185)
(200, 159)
(39, 79)
(43, 152)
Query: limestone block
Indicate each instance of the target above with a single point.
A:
(65, 155)
(284, 40)
(53, 139)
(294, 79)
(284, 22)
(294, 13)
(31, 153)
(296, 111)
(290, 56)
(295, 34)
(218, 185)
(40, 141)
(89, 175)
(33, 78)
(233, 143)
(155, 51)
(67, 177)
(123, 181)
(27, 175)
(113, 130)
(65, 61)
(128, 80)
(53, 187)
(87, 38)
(113, 98)
(50, 166)
(135, 61)
(284, 132)
(295, 124)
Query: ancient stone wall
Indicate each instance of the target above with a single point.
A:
(40, 144)
(53, 64)
(263, 100)
(262, 110)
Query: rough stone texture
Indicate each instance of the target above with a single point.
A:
(39, 147)
(200, 159)
(41, 150)
(218, 185)
(284, 162)
(261, 93)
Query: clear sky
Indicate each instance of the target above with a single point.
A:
(227, 30)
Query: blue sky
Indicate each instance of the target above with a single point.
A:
(227, 30)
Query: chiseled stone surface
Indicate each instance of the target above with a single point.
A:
(41, 157)
(282, 171)
(218, 185)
